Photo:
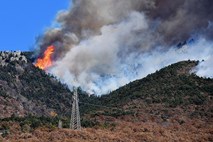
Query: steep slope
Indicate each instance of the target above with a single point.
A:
(171, 87)
(25, 89)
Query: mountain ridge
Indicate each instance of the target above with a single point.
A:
(166, 104)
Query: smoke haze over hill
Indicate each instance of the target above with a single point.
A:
(104, 44)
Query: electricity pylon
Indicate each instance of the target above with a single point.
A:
(75, 122)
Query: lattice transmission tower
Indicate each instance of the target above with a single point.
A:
(75, 122)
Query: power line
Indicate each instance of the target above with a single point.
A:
(75, 122)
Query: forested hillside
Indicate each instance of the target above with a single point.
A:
(164, 105)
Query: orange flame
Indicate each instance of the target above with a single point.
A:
(46, 61)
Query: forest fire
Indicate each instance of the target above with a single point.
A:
(46, 61)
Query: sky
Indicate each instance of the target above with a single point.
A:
(21, 21)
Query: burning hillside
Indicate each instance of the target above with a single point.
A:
(169, 105)
(104, 44)
(45, 61)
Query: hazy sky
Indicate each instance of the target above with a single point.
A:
(23, 20)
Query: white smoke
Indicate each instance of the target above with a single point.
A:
(123, 52)
(205, 68)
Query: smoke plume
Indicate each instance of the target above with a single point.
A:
(104, 44)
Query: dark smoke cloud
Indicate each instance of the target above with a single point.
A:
(177, 20)
(104, 44)
(85, 18)
(180, 19)
(92, 15)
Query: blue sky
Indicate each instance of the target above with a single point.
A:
(21, 21)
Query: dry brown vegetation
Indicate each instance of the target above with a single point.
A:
(121, 131)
